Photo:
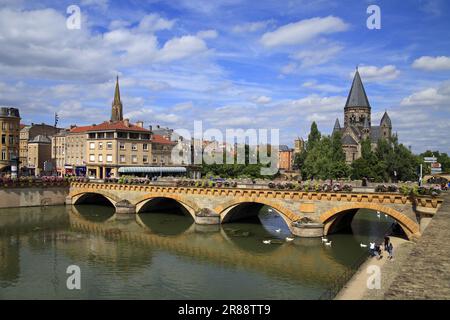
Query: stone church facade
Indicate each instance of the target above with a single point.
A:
(358, 122)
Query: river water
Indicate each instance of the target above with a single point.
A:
(167, 256)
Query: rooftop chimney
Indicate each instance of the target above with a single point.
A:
(140, 124)
(126, 122)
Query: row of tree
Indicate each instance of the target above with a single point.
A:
(324, 158)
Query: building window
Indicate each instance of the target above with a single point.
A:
(100, 158)
(134, 159)
(109, 145)
(109, 158)
(92, 146)
(145, 147)
(3, 154)
(122, 158)
(122, 145)
(134, 147)
(91, 158)
(145, 159)
(155, 160)
(100, 145)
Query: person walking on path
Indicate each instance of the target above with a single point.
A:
(386, 243)
(390, 251)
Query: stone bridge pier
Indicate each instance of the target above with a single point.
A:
(307, 214)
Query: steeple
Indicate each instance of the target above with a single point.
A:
(357, 96)
(116, 110)
(386, 120)
(337, 125)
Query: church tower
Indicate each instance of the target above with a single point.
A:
(386, 126)
(357, 107)
(116, 110)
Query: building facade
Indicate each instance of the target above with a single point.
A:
(39, 152)
(118, 144)
(285, 158)
(358, 122)
(9, 133)
(28, 133)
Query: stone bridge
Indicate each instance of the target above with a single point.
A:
(328, 211)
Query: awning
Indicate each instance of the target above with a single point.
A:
(152, 170)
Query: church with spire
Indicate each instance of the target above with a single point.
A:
(358, 122)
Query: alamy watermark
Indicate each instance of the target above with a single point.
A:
(73, 21)
(235, 146)
(374, 20)
(74, 280)
(374, 278)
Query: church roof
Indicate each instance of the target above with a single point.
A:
(337, 125)
(386, 119)
(375, 134)
(357, 96)
(348, 140)
(113, 126)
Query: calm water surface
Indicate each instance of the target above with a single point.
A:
(166, 256)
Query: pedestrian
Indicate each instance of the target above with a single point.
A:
(372, 249)
(390, 251)
(386, 243)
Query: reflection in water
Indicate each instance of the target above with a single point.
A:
(165, 256)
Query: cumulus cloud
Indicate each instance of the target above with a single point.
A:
(437, 97)
(428, 63)
(316, 56)
(262, 100)
(322, 86)
(252, 26)
(179, 48)
(376, 74)
(207, 34)
(303, 31)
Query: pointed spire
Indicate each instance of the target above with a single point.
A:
(357, 96)
(116, 110)
(337, 125)
(117, 92)
(386, 120)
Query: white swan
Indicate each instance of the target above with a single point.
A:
(324, 239)
(289, 239)
(363, 245)
(270, 210)
(328, 243)
(267, 241)
(278, 230)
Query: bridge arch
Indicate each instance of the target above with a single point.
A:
(78, 198)
(226, 210)
(189, 206)
(334, 215)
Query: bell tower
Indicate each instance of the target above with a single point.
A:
(357, 107)
(116, 110)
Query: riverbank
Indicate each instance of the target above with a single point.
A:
(356, 288)
(33, 196)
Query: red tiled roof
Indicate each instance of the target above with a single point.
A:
(22, 126)
(119, 125)
(156, 138)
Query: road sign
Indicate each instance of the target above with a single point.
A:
(429, 159)
(435, 165)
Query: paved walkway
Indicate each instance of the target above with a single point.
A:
(426, 272)
(356, 288)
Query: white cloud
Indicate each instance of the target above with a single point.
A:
(252, 26)
(376, 74)
(428, 63)
(318, 55)
(183, 106)
(437, 97)
(153, 22)
(262, 100)
(322, 87)
(303, 31)
(207, 34)
(179, 48)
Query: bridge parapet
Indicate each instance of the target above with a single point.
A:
(292, 205)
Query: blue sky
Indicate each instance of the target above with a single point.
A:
(230, 63)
